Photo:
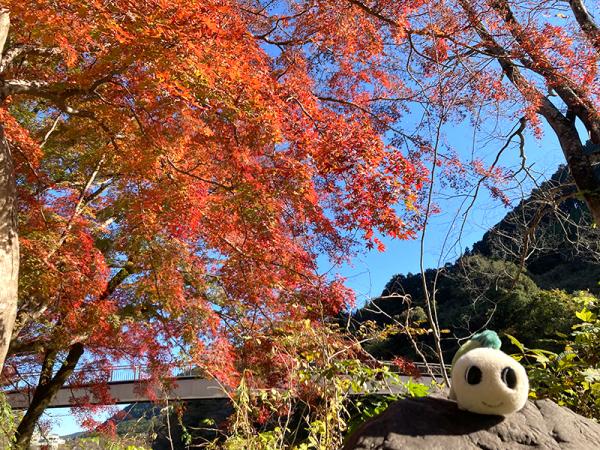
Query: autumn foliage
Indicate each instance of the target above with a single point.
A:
(181, 165)
(177, 179)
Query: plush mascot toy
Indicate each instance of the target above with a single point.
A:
(486, 380)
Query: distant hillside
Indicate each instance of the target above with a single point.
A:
(191, 424)
(138, 421)
(552, 235)
(517, 279)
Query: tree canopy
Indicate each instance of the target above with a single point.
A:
(175, 184)
(171, 170)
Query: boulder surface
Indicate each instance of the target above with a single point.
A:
(435, 423)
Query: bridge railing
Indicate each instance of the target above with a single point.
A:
(435, 368)
(133, 373)
(112, 374)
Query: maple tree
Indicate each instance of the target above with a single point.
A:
(521, 60)
(171, 185)
(473, 65)
(173, 169)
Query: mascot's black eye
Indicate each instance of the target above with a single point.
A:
(509, 377)
(473, 375)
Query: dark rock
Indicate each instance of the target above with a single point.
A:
(434, 423)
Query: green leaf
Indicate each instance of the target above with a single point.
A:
(416, 389)
(586, 315)
(516, 342)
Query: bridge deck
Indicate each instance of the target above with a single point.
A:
(134, 392)
(127, 392)
(127, 385)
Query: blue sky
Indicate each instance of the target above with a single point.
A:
(372, 270)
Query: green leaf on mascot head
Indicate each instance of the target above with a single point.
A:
(487, 338)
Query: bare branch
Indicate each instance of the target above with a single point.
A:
(36, 88)
(372, 12)
(78, 208)
(50, 131)
(4, 27)
(57, 92)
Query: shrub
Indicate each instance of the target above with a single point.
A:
(323, 397)
(570, 377)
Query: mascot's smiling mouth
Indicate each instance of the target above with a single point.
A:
(492, 406)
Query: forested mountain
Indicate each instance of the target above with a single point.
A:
(518, 279)
(551, 236)
(190, 423)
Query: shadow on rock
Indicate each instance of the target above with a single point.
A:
(436, 423)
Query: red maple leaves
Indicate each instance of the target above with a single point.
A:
(178, 180)
(182, 164)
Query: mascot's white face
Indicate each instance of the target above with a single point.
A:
(488, 381)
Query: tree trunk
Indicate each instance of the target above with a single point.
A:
(9, 247)
(582, 165)
(9, 240)
(49, 385)
(45, 392)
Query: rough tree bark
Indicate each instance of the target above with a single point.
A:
(9, 240)
(583, 167)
